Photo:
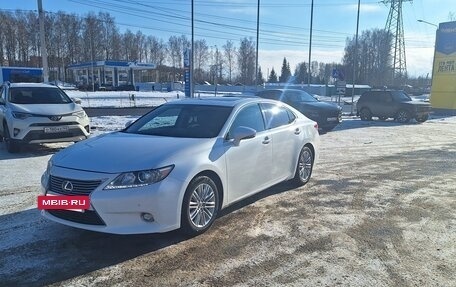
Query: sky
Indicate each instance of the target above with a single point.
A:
(284, 25)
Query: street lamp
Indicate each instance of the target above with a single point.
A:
(429, 23)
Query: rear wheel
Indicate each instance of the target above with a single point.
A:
(422, 119)
(200, 205)
(304, 167)
(403, 116)
(365, 114)
(12, 146)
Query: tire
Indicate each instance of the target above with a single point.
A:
(365, 114)
(200, 206)
(422, 119)
(403, 117)
(304, 167)
(12, 146)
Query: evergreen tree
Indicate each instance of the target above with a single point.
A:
(286, 73)
(260, 76)
(301, 73)
(272, 77)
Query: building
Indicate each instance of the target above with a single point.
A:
(21, 74)
(111, 75)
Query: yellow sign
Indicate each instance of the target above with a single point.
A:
(443, 91)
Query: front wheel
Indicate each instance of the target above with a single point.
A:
(422, 119)
(200, 205)
(12, 146)
(304, 167)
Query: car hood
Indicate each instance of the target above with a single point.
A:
(46, 109)
(418, 103)
(120, 152)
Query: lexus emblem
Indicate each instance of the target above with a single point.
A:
(55, 118)
(67, 186)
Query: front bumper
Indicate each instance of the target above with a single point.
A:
(43, 130)
(120, 211)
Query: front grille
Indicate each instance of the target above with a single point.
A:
(87, 217)
(41, 135)
(80, 187)
(54, 124)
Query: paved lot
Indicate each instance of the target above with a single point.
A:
(379, 211)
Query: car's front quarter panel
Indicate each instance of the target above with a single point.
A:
(121, 209)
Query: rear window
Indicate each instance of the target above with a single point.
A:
(38, 95)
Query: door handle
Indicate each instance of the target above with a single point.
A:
(297, 131)
(266, 140)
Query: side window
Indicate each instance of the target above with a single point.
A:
(386, 97)
(275, 115)
(250, 117)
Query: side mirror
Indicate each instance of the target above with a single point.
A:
(77, 101)
(241, 133)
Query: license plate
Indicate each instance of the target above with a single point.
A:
(76, 210)
(49, 130)
(333, 119)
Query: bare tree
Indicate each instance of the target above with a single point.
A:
(10, 42)
(176, 46)
(157, 50)
(109, 30)
(200, 56)
(246, 61)
(373, 61)
(230, 54)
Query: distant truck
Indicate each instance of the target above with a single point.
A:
(21, 74)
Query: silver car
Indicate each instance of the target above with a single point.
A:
(39, 113)
(180, 164)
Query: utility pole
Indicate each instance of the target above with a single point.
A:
(355, 58)
(257, 42)
(43, 42)
(310, 43)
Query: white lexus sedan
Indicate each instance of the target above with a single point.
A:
(180, 164)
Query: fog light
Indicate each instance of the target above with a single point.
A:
(147, 217)
(16, 131)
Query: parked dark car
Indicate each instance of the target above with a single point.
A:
(391, 104)
(327, 115)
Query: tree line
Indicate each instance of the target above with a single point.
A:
(73, 39)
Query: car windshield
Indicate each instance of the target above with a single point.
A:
(299, 96)
(38, 95)
(401, 96)
(187, 121)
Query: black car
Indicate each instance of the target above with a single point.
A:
(391, 104)
(327, 115)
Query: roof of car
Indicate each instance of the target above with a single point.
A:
(217, 101)
(42, 85)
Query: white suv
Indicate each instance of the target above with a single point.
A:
(39, 113)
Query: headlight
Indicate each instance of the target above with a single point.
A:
(21, 116)
(80, 114)
(139, 178)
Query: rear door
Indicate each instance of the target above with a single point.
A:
(286, 139)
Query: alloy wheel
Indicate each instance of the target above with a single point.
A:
(202, 205)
